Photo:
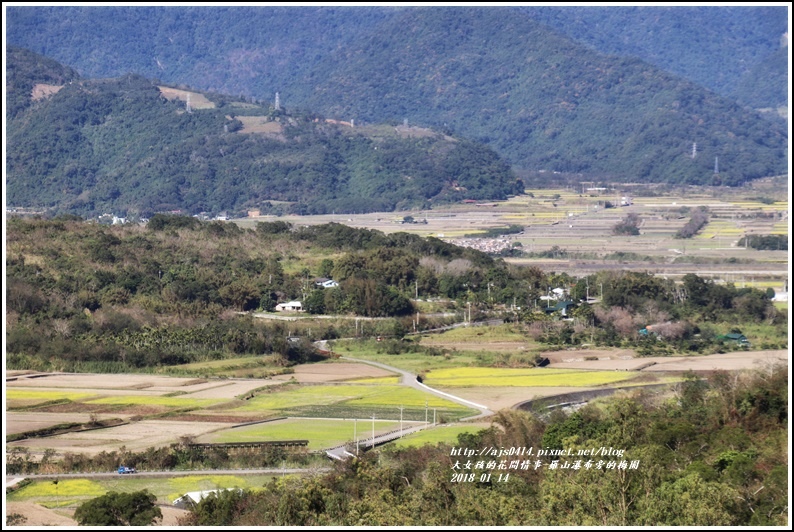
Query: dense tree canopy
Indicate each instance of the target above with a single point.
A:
(119, 509)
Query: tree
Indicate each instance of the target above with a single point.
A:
(119, 509)
(630, 225)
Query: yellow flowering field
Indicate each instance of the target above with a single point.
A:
(523, 377)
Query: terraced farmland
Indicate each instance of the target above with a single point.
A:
(355, 401)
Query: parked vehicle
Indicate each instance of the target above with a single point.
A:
(123, 470)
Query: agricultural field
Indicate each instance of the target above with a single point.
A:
(574, 221)
(136, 436)
(69, 493)
(527, 377)
(353, 401)
(442, 434)
(160, 410)
(321, 433)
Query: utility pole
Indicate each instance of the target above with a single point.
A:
(401, 421)
(373, 431)
(425, 412)
(355, 437)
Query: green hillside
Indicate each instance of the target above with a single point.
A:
(545, 102)
(717, 47)
(120, 145)
(494, 75)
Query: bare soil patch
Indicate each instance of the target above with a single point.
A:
(135, 437)
(578, 355)
(172, 515)
(625, 360)
(128, 383)
(490, 347)
(497, 398)
(727, 361)
(17, 422)
(38, 515)
(43, 90)
(116, 410)
(260, 124)
(197, 101)
(231, 389)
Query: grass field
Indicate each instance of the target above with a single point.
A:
(321, 433)
(413, 362)
(523, 377)
(442, 434)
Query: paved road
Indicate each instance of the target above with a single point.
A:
(408, 379)
(13, 479)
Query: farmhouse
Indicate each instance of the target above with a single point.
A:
(291, 306)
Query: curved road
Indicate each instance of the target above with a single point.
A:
(409, 379)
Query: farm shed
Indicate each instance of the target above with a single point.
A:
(735, 337)
(194, 497)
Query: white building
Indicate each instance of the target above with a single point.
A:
(291, 306)
(195, 497)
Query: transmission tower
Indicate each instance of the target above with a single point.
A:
(278, 103)
(694, 149)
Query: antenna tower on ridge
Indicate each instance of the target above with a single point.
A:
(277, 107)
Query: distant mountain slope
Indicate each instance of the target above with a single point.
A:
(542, 100)
(714, 46)
(31, 69)
(119, 145)
(232, 50)
(767, 84)
(490, 74)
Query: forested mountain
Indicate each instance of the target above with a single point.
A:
(118, 145)
(490, 74)
(544, 101)
(718, 47)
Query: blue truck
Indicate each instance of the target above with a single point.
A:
(123, 470)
